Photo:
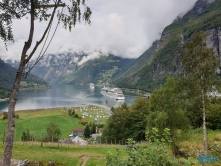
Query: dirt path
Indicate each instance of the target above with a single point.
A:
(85, 158)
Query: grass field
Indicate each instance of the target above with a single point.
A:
(37, 121)
(64, 155)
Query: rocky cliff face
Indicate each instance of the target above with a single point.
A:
(214, 41)
(164, 60)
(53, 67)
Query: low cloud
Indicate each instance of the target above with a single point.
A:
(91, 56)
(125, 28)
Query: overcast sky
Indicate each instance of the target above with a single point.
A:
(125, 28)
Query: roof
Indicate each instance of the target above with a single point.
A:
(78, 141)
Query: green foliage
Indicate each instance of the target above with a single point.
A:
(53, 133)
(83, 121)
(5, 115)
(98, 70)
(127, 122)
(26, 136)
(93, 128)
(71, 112)
(216, 151)
(155, 153)
(199, 65)
(213, 116)
(115, 128)
(167, 111)
(17, 116)
(87, 132)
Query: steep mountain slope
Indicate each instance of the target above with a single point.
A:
(98, 70)
(67, 68)
(164, 58)
(7, 76)
(137, 65)
(54, 67)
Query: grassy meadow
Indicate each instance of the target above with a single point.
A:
(37, 121)
(64, 155)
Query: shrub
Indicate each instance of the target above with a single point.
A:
(26, 136)
(156, 153)
(53, 133)
(71, 112)
(17, 116)
(5, 115)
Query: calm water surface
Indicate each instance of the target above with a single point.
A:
(64, 96)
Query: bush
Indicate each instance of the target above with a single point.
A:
(53, 133)
(156, 153)
(17, 116)
(83, 122)
(71, 112)
(5, 115)
(26, 136)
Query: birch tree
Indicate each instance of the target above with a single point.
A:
(199, 66)
(35, 10)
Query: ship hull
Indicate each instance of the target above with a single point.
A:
(113, 93)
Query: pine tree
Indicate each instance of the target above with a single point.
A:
(87, 132)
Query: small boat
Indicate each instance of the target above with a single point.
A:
(91, 86)
(114, 93)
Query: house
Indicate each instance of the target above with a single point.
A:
(94, 136)
(77, 132)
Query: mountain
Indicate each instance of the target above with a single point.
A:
(162, 59)
(69, 68)
(99, 70)
(7, 76)
(52, 67)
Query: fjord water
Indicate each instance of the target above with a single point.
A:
(64, 96)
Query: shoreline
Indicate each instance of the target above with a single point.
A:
(56, 108)
(3, 100)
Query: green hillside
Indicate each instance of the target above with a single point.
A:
(162, 59)
(98, 70)
(7, 76)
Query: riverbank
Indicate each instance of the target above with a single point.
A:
(3, 100)
(139, 93)
(36, 87)
(62, 108)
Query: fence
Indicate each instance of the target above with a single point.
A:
(59, 144)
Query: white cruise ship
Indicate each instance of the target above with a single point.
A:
(114, 93)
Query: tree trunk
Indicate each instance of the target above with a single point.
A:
(11, 117)
(13, 98)
(204, 125)
(24, 60)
